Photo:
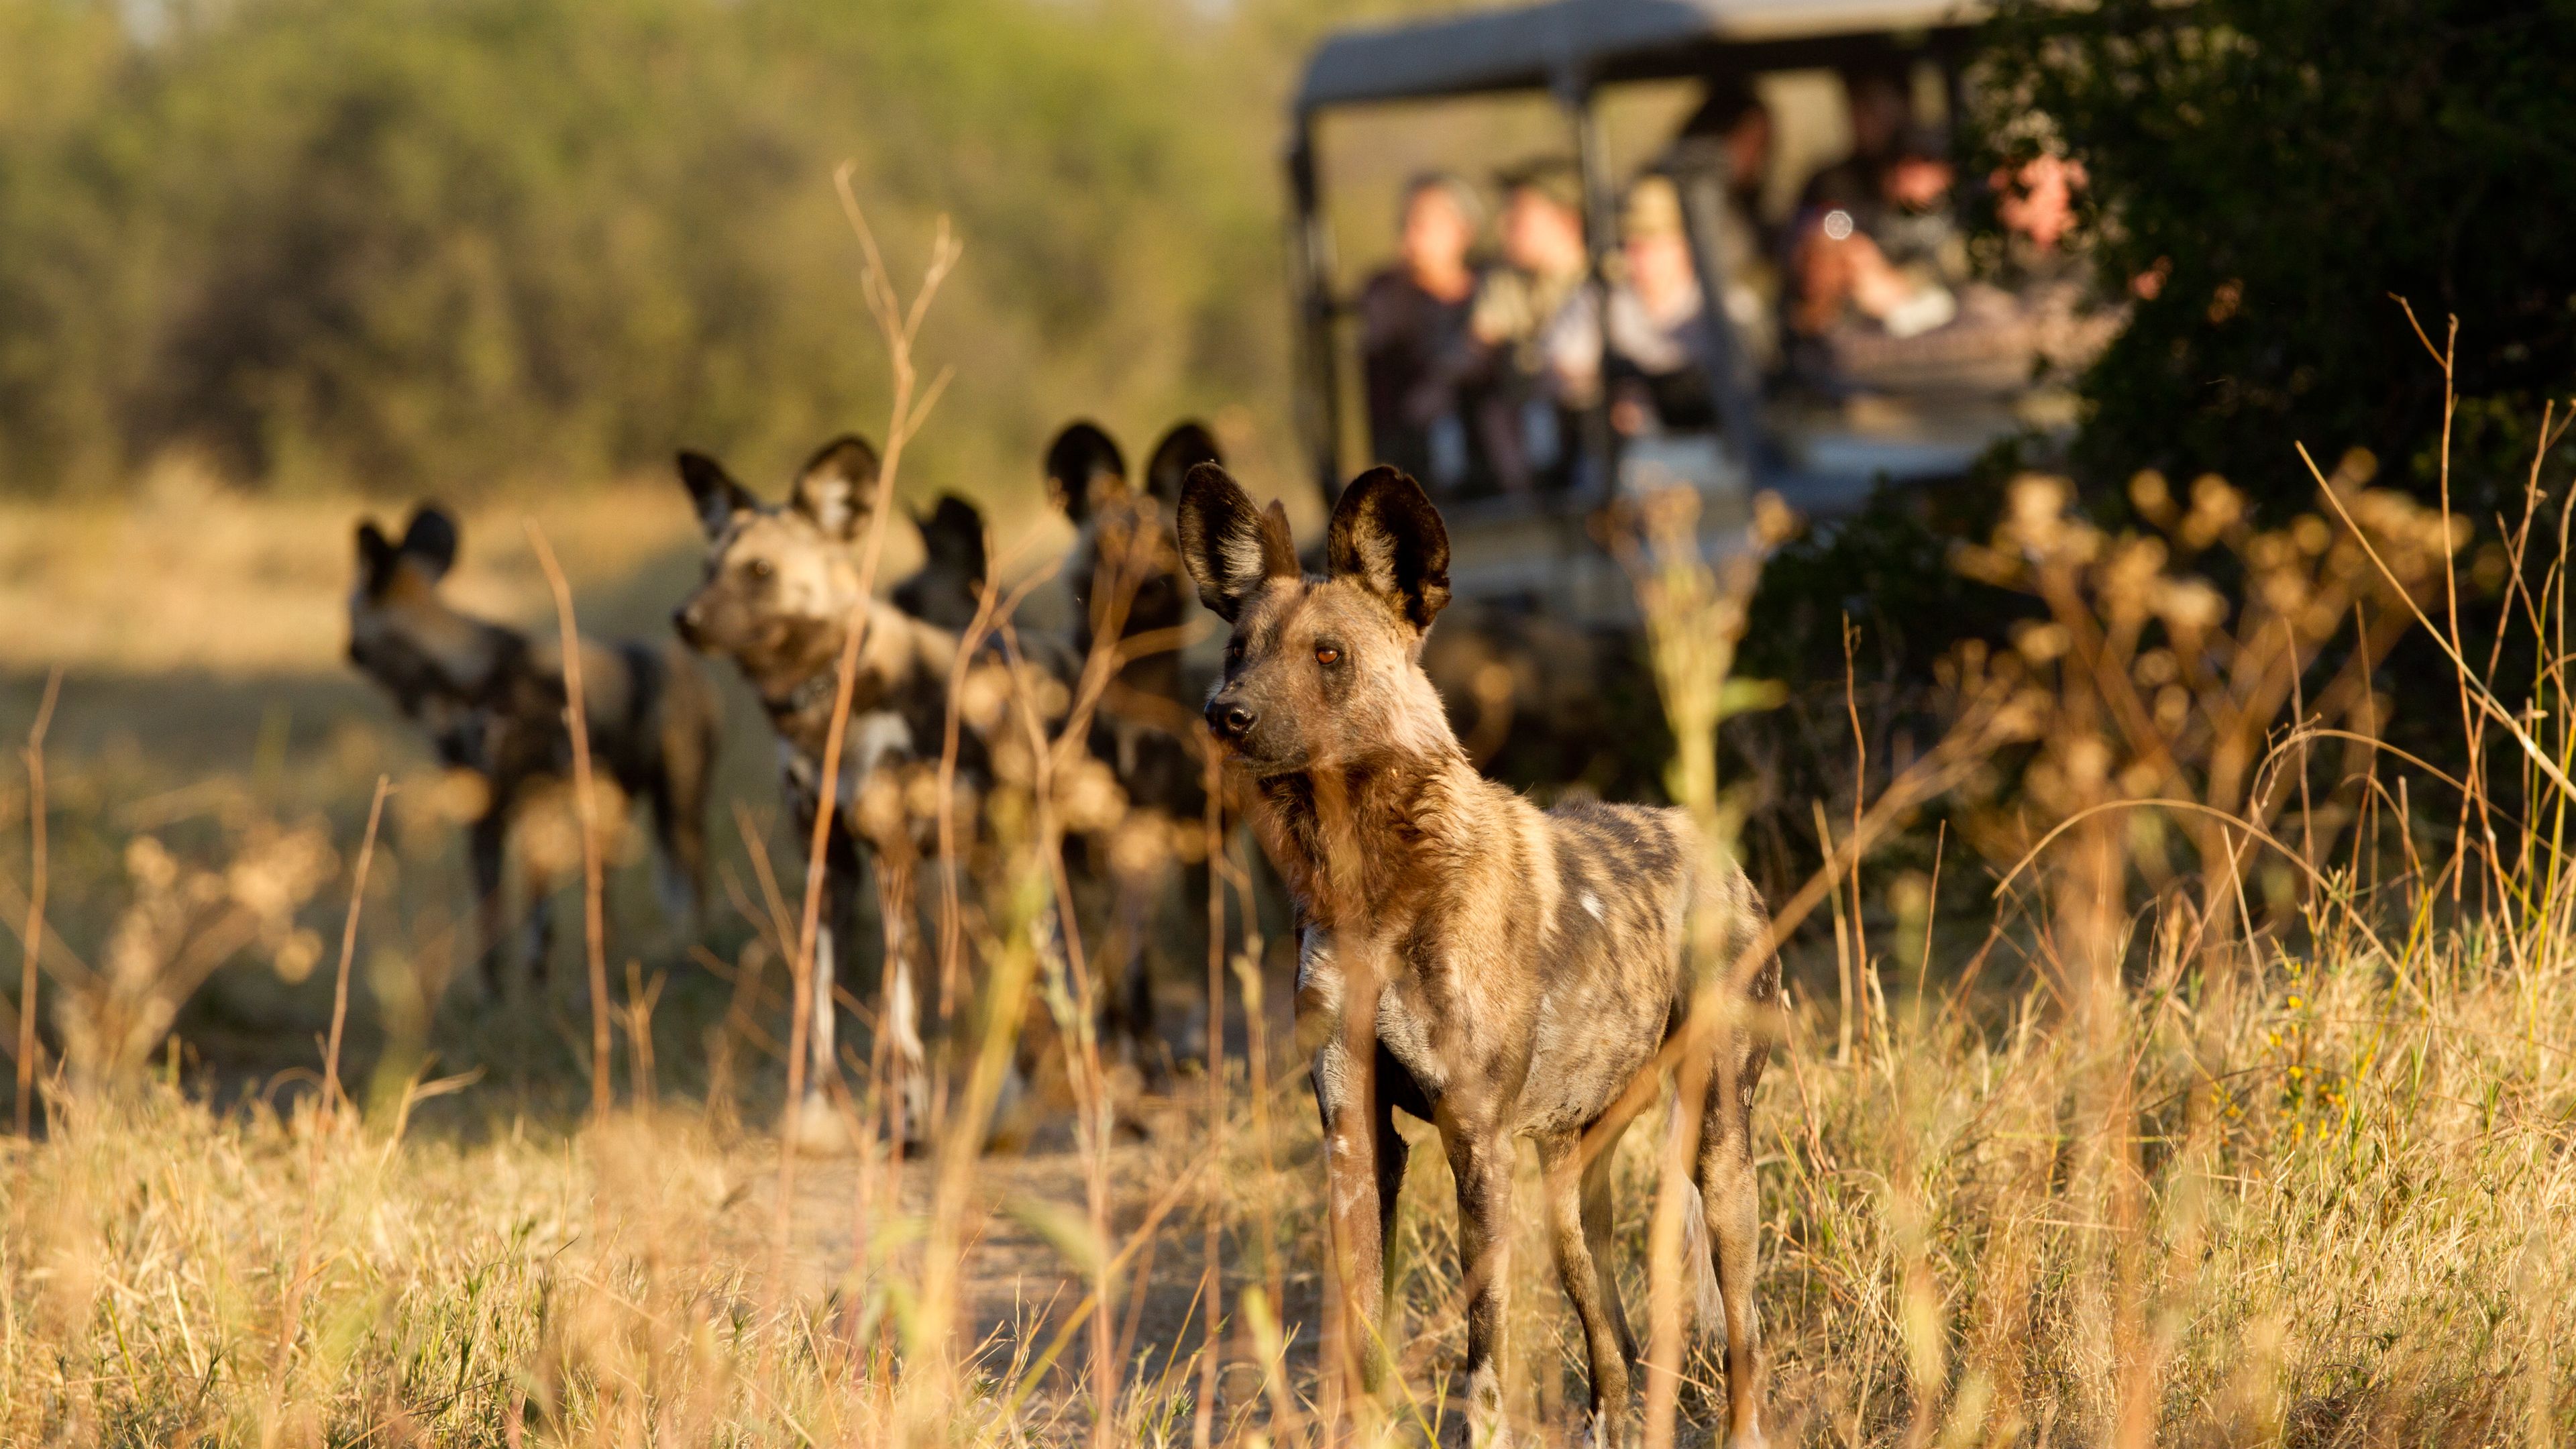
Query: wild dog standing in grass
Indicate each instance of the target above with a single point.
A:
(782, 585)
(1129, 590)
(493, 702)
(1506, 972)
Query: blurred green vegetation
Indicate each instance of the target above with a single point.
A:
(468, 244)
(2286, 168)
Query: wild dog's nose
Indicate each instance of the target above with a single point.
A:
(1229, 718)
(685, 621)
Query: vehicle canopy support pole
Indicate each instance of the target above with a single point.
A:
(1319, 406)
(1701, 175)
(1601, 234)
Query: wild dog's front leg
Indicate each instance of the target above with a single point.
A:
(900, 1005)
(1364, 1160)
(814, 1123)
(1480, 1157)
(1363, 1156)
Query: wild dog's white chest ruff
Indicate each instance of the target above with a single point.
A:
(873, 740)
(1402, 1027)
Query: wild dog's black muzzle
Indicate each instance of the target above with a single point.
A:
(684, 622)
(1230, 719)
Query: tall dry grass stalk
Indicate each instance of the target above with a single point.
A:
(594, 924)
(32, 939)
(331, 1095)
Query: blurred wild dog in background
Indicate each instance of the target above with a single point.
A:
(493, 702)
(1497, 970)
(1130, 592)
(782, 585)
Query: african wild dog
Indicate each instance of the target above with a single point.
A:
(1525, 966)
(782, 584)
(1125, 570)
(493, 702)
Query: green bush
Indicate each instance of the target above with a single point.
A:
(2290, 165)
(452, 244)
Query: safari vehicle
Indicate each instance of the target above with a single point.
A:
(1538, 549)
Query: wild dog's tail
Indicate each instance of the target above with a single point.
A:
(1708, 1310)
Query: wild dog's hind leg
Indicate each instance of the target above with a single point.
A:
(1730, 1199)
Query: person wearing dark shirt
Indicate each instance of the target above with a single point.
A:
(1412, 315)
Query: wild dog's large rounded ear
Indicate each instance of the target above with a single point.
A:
(375, 555)
(952, 537)
(429, 540)
(1388, 538)
(1230, 546)
(837, 488)
(1081, 458)
(717, 497)
(1186, 446)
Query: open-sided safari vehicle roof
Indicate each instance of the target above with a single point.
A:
(1539, 547)
(1579, 43)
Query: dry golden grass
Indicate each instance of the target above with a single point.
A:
(2358, 1235)
(2247, 1154)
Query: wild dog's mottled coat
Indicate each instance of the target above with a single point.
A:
(1144, 728)
(782, 586)
(492, 700)
(1527, 965)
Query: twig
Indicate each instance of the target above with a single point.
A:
(349, 945)
(898, 326)
(33, 938)
(594, 926)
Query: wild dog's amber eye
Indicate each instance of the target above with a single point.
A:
(758, 568)
(1327, 654)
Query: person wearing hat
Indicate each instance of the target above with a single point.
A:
(1412, 315)
(1532, 320)
(1657, 322)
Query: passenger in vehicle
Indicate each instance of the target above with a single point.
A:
(1656, 326)
(1899, 310)
(1878, 110)
(1530, 327)
(1917, 225)
(1728, 140)
(1413, 315)
(1886, 259)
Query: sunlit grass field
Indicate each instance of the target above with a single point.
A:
(2310, 1185)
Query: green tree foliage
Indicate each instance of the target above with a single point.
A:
(2288, 165)
(450, 244)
